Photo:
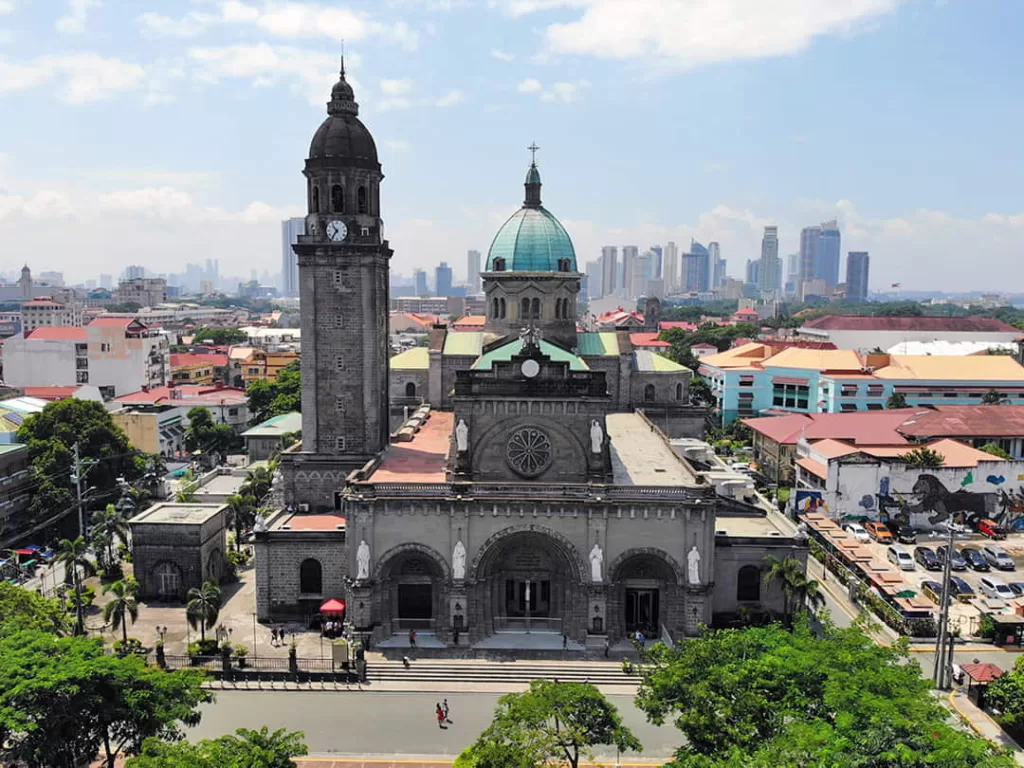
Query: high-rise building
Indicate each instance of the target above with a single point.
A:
(640, 274)
(695, 268)
(829, 254)
(290, 231)
(443, 279)
(717, 264)
(808, 253)
(671, 268)
(419, 281)
(792, 281)
(753, 272)
(770, 270)
(609, 270)
(857, 264)
(107, 281)
(133, 271)
(593, 281)
(657, 268)
(629, 255)
(473, 271)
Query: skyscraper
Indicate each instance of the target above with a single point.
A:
(443, 279)
(290, 231)
(640, 274)
(419, 281)
(828, 254)
(671, 268)
(792, 281)
(629, 255)
(593, 281)
(717, 265)
(771, 268)
(473, 271)
(696, 268)
(753, 272)
(809, 253)
(609, 270)
(134, 272)
(857, 264)
(656, 269)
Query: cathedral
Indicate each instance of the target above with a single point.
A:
(547, 483)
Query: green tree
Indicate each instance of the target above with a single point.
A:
(51, 436)
(272, 398)
(111, 525)
(258, 481)
(75, 558)
(1006, 695)
(203, 434)
(770, 698)
(994, 397)
(923, 457)
(203, 607)
(63, 701)
(551, 724)
(244, 749)
(896, 400)
(995, 450)
(123, 606)
(22, 609)
(219, 336)
(242, 512)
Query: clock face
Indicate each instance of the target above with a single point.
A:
(530, 368)
(337, 231)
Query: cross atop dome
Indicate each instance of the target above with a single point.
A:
(533, 153)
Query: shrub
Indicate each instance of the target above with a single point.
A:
(111, 573)
(127, 647)
(987, 628)
(206, 647)
(240, 651)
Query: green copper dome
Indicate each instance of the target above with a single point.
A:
(532, 240)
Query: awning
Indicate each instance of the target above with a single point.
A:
(790, 380)
(25, 551)
(333, 606)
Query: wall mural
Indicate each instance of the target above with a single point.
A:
(930, 497)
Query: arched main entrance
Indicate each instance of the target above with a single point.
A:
(527, 580)
(644, 593)
(412, 579)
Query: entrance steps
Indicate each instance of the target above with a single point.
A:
(470, 672)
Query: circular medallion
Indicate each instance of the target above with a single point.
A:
(530, 368)
(528, 451)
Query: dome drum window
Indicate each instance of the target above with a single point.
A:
(361, 204)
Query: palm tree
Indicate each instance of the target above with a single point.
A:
(187, 494)
(788, 573)
(203, 607)
(123, 606)
(74, 556)
(808, 595)
(258, 482)
(242, 510)
(111, 524)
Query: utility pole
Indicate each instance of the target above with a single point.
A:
(940, 670)
(77, 477)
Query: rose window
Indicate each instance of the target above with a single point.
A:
(529, 451)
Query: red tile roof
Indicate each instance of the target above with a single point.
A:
(52, 332)
(50, 393)
(966, 421)
(666, 324)
(940, 324)
(647, 340)
(187, 394)
(982, 673)
(470, 321)
(42, 303)
(312, 523)
(183, 359)
(861, 428)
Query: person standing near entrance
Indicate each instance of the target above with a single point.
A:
(565, 642)
(607, 646)
(412, 638)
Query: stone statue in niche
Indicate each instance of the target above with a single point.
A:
(693, 565)
(596, 436)
(459, 561)
(462, 436)
(596, 560)
(363, 560)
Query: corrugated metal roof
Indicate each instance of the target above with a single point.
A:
(506, 351)
(604, 344)
(975, 368)
(415, 359)
(464, 343)
(651, 362)
(277, 426)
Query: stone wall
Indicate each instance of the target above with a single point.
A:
(732, 553)
(279, 556)
(197, 551)
(314, 480)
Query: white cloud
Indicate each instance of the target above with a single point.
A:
(395, 87)
(450, 99)
(74, 21)
(502, 56)
(397, 145)
(191, 24)
(565, 92)
(80, 77)
(695, 32)
(530, 85)
(6, 6)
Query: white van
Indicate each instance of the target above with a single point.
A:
(899, 557)
(993, 586)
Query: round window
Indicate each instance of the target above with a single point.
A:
(528, 451)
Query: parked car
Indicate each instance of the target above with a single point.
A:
(739, 466)
(998, 558)
(956, 560)
(903, 533)
(993, 586)
(964, 591)
(991, 528)
(933, 591)
(974, 558)
(857, 531)
(878, 532)
(1017, 587)
(927, 559)
(899, 557)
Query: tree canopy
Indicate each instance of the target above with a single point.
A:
(219, 336)
(63, 700)
(22, 609)
(1006, 694)
(203, 434)
(722, 336)
(766, 697)
(243, 749)
(272, 398)
(550, 724)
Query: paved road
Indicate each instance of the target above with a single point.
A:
(387, 724)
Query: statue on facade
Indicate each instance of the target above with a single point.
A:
(462, 436)
(363, 560)
(530, 337)
(259, 525)
(596, 560)
(596, 436)
(459, 561)
(693, 565)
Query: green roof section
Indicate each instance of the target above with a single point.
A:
(11, 448)
(505, 353)
(276, 426)
(414, 359)
(469, 343)
(605, 344)
(649, 362)
(532, 240)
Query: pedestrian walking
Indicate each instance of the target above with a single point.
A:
(440, 716)
(607, 646)
(273, 636)
(444, 706)
(412, 638)
(565, 641)
(455, 634)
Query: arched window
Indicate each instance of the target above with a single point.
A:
(337, 199)
(525, 314)
(501, 307)
(410, 389)
(311, 577)
(558, 308)
(499, 264)
(361, 199)
(649, 393)
(316, 199)
(563, 265)
(679, 391)
(565, 309)
(494, 308)
(748, 584)
(535, 312)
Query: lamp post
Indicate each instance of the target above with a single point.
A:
(254, 633)
(162, 631)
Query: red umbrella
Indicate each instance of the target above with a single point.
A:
(333, 606)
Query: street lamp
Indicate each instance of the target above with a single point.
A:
(162, 631)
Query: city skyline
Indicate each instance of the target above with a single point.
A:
(171, 105)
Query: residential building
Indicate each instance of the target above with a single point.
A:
(179, 315)
(46, 311)
(866, 333)
(627, 290)
(116, 354)
(609, 270)
(857, 264)
(812, 377)
(770, 269)
(443, 279)
(656, 269)
(473, 278)
(430, 305)
(270, 437)
(56, 279)
(828, 254)
(411, 323)
(16, 487)
(144, 291)
(291, 229)
(731, 289)
(419, 279)
(207, 368)
(977, 425)
(718, 265)
(813, 288)
(671, 271)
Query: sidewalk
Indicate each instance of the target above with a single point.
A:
(982, 724)
(394, 686)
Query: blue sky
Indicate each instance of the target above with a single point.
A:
(165, 132)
